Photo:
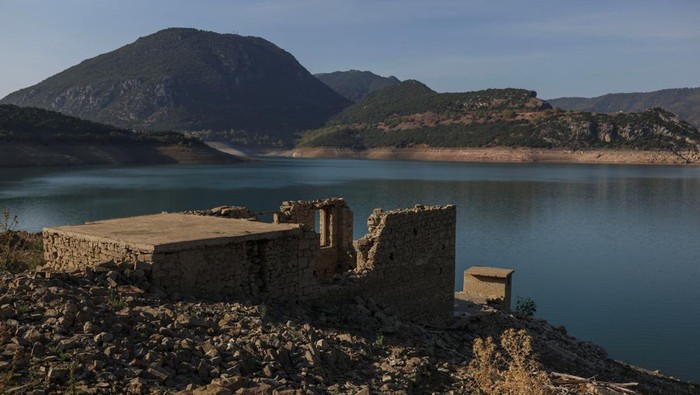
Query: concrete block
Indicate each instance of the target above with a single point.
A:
(489, 283)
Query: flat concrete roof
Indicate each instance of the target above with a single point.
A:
(487, 271)
(170, 232)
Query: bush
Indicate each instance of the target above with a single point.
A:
(8, 252)
(516, 373)
(19, 251)
(525, 307)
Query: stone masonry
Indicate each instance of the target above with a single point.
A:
(406, 261)
(197, 255)
(336, 253)
(408, 257)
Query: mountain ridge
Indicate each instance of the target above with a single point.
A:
(685, 102)
(354, 85)
(188, 79)
(37, 137)
(411, 114)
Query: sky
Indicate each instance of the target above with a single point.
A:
(557, 48)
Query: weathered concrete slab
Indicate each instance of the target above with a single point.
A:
(486, 271)
(170, 232)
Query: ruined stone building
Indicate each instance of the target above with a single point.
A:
(406, 260)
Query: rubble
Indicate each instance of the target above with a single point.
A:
(102, 331)
(185, 304)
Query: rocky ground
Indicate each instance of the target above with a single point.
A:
(110, 331)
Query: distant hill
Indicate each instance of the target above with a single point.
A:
(187, 79)
(38, 137)
(354, 84)
(685, 102)
(411, 114)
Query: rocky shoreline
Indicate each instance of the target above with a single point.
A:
(499, 155)
(109, 331)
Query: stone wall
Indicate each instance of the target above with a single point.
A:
(67, 253)
(335, 230)
(268, 268)
(279, 267)
(297, 212)
(407, 260)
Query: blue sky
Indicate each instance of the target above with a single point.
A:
(558, 48)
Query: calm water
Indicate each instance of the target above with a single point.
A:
(611, 252)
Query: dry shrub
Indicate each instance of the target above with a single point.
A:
(19, 251)
(516, 373)
(7, 247)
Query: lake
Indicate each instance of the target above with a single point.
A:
(610, 252)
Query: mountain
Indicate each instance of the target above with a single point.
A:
(682, 101)
(354, 84)
(38, 137)
(411, 114)
(187, 79)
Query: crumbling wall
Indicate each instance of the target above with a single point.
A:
(297, 212)
(407, 260)
(336, 253)
(234, 212)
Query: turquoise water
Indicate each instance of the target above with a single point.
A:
(611, 252)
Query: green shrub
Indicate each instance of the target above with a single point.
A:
(525, 306)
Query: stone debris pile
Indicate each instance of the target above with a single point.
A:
(100, 331)
(235, 212)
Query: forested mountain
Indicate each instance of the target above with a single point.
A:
(187, 79)
(34, 137)
(354, 84)
(410, 114)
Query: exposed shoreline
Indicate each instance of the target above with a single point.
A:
(499, 155)
(32, 154)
